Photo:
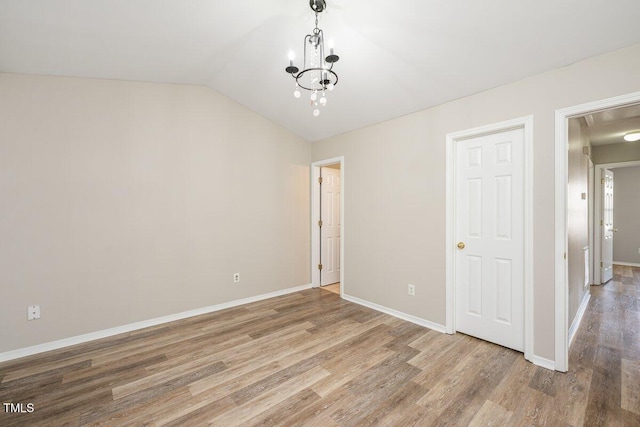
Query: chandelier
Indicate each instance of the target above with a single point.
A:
(317, 75)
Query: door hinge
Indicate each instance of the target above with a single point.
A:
(320, 180)
(320, 223)
(319, 266)
(602, 181)
(602, 222)
(565, 255)
(601, 264)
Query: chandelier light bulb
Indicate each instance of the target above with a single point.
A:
(296, 93)
(292, 55)
(314, 96)
(323, 101)
(330, 86)
(316, 112)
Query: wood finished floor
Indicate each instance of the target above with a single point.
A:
(312, 359)
(335, 288)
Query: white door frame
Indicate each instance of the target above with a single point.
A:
(527, 124)
(561, 213)
(597, 214)
(315, 217)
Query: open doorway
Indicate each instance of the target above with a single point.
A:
(596, 150)
(615, 225)
(589, 137)
(327, 219)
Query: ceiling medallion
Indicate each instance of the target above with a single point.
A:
(317, 75)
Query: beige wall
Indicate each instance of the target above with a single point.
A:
(615, 153)
(626, 214)
(127, 201)
(123, 201)
(578, 215)
(395, 187)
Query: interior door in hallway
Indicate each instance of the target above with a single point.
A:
(489, 232)
(330, 226)
(606, 227)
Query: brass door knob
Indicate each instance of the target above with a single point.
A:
(461, 245)
(615, 230)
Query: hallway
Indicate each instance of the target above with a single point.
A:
(607, 347)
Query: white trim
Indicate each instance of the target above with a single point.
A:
(79, 339)
(400, 315)
(315, 235)
(629, 164)
(561, 243)
(578, 319)
(525, 123)
(561, 182)
(587, 266)
(591, 220)
(528, 238)
(597, 231)
(627, 264)
(543, 363)
(450, 236)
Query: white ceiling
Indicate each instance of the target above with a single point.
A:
(610, 126)
(397, 57)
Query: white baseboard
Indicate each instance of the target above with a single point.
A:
(536, 360)
(627, 264)
(400, 315)
(79, 339)
(54, 345)
(578, 319)
(543, 363)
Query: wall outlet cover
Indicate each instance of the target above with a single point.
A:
(33, 312)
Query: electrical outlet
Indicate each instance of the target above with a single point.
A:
(411, 289)
(236, 277)
(33, 312)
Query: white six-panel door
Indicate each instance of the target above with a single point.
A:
(489, 233)
(607, 226)
(330, 230)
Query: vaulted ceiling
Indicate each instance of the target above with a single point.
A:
(397, 57)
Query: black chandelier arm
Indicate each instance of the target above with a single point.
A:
(333, 80)
(292, 69)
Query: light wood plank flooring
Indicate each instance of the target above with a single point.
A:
(312, 359)
(335, 288)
